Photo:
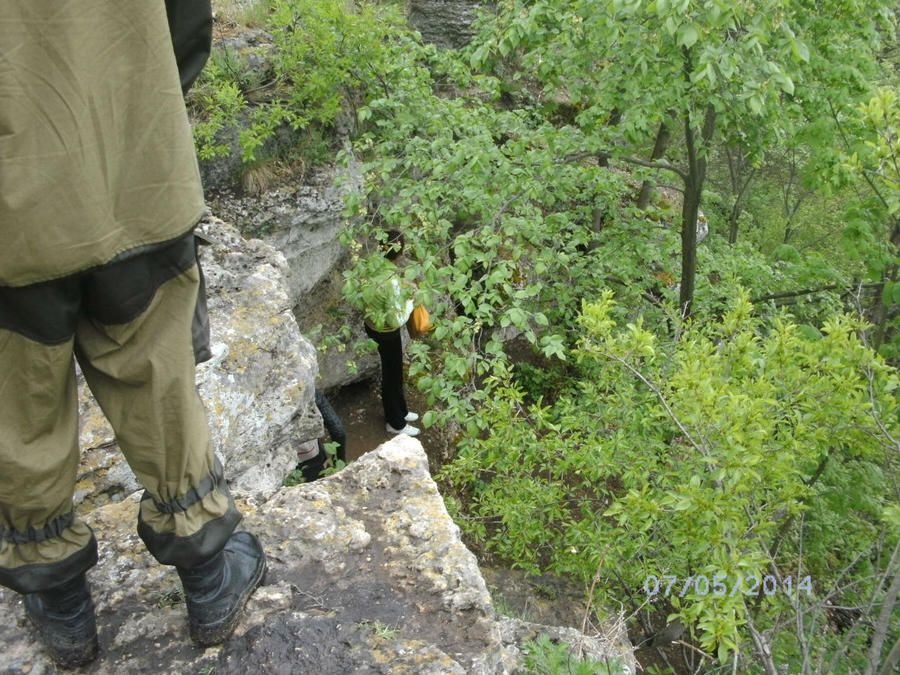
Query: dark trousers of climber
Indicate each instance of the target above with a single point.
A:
(390, 349)
(128, 323)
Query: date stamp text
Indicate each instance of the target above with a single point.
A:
(667, 585)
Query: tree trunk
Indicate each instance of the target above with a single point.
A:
(659, 149)
(882, 627)
(737, 166)
(880, 310)
(734, 217)
(693, 190)
(615, 116)
(792, 190)
(689, 212)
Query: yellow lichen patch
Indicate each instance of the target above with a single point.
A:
(114, 521)
(244, 504)
(408, 656)
(86, 485)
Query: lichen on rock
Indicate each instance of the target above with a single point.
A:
(258, 387)
(350, 588)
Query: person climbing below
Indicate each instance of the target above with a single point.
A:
(311, 461)
(101, 193)
(391, 303)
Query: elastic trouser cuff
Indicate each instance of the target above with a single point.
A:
(192, 550)
(209, 501)
(38, 577)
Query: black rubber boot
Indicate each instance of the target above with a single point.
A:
(64, 619)
(217, 590)
(312, 468)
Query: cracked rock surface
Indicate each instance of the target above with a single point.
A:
(367, 574)
(258, 388)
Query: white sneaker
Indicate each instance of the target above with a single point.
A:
(411, 417)
(408, 430)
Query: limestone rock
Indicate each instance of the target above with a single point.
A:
(367, 574)
(258, 388)
(445, 23)
(303, 221)
(260, 384)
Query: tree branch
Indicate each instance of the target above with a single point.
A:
(865, 612)
(634, 371)
(763, 647)
(873, 411)
(664, 166)
(884, 619)
(865, 174)
(772, 549)
(892, 659)
(808, 291)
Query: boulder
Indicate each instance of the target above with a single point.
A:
(445, 23)
(367, 574)
(258, 388)
(300, 220)
(304, 221)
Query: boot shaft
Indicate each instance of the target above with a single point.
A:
(203, 581)
(215, 592)
(69, 598)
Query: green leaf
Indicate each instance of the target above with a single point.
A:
(800, 50)
(755, 103)
(785, 83)
(810, 332)
(723, 652)
(687, 35)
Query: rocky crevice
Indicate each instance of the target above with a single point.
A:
(367, 571)
(258, 387)
(367, 574)
(303, 220)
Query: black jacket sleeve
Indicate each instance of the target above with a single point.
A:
(190, 22)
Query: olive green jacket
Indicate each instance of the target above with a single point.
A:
(96, 155)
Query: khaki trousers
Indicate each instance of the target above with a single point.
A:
(141, 371)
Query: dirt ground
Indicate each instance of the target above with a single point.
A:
(359, 407)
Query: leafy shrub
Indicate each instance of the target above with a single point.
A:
(545, 657)
(739, 443)
(743, 449)
(325, 55)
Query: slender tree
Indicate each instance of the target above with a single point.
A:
(710, 67)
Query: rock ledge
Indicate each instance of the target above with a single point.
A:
(367, 574)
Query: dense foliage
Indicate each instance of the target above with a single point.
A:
(604, 434)
(745, 449)
(320, 56)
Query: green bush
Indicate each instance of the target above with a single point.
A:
(743, 449)
(745, 442)
(545, 657)
(325, 55)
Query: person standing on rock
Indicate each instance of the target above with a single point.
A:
(99, 196)
(389, 308)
